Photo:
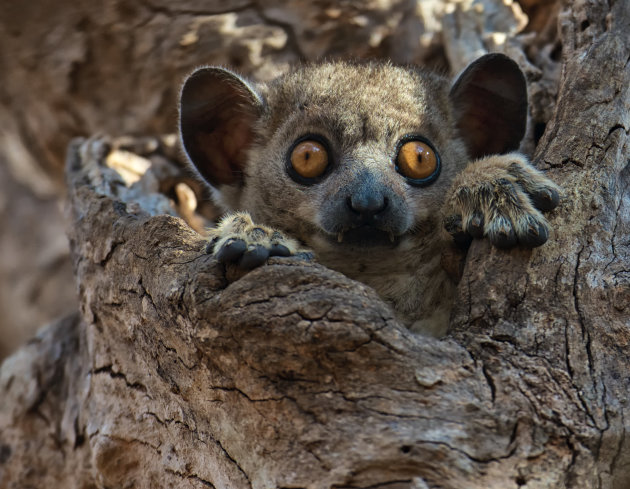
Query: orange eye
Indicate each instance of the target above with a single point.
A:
(309, 159)
(417, 160)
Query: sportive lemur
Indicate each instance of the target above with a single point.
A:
(365, 165)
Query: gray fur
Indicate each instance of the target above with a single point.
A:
(362, 111)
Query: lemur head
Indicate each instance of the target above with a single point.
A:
(344, 154)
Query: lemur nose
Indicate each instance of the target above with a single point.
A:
(367, 205)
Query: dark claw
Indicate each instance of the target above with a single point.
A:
(546, 200)
(504, 238)
(231, 250)
(475, 225)
(453, 225)
(462, 240)
(279, 250)
(254, 257)
(537, 235)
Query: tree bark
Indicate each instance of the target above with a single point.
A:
(294, 376)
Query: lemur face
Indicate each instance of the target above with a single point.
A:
(359, 156)
(338, 155)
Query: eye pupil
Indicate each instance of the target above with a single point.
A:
(309, 159)
(418, 162)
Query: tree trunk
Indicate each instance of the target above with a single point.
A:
(294, 376)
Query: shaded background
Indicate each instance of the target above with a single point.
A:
(77, 68)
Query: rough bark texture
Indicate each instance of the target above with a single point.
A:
(553, 334)
(295, 376)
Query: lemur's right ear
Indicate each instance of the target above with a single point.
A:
(216, 113)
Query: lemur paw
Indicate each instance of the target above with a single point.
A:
(239, 241)
(500, 197)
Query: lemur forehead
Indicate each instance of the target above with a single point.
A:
(356, 84)
(380, 91)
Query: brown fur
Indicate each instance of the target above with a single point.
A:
(362, 111)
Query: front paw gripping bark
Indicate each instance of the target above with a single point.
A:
(239, 241)
(500, 197)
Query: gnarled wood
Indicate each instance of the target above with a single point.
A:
(295, 376)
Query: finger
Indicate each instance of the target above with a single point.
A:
(501, 233)
(532, 231)
(453, 226)
(255, 256)
(544, 193)
(279, 250)
(545, 199)
(231, 250)
(475, 224)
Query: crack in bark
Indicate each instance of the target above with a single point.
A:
(616, 127)
(129, 441)
(484, 370)
(585, 335)
(570, 471)
(196, 434)
(145, 293)
(478, 460)
(108, 370)
(251, 399)
(488, 377)
(567, 351)
(227, 454)
(110, 253)
(387, 414)
(556, 419)
(177, 356)
(187, 475)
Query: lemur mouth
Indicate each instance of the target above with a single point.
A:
(366, 236)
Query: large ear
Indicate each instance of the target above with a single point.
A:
(490, 102)
(217, 111)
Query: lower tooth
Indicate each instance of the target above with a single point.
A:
(391, 236)
(339, 237)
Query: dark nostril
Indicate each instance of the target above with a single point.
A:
(367, 205)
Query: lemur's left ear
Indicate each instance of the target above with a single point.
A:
(490, 102)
